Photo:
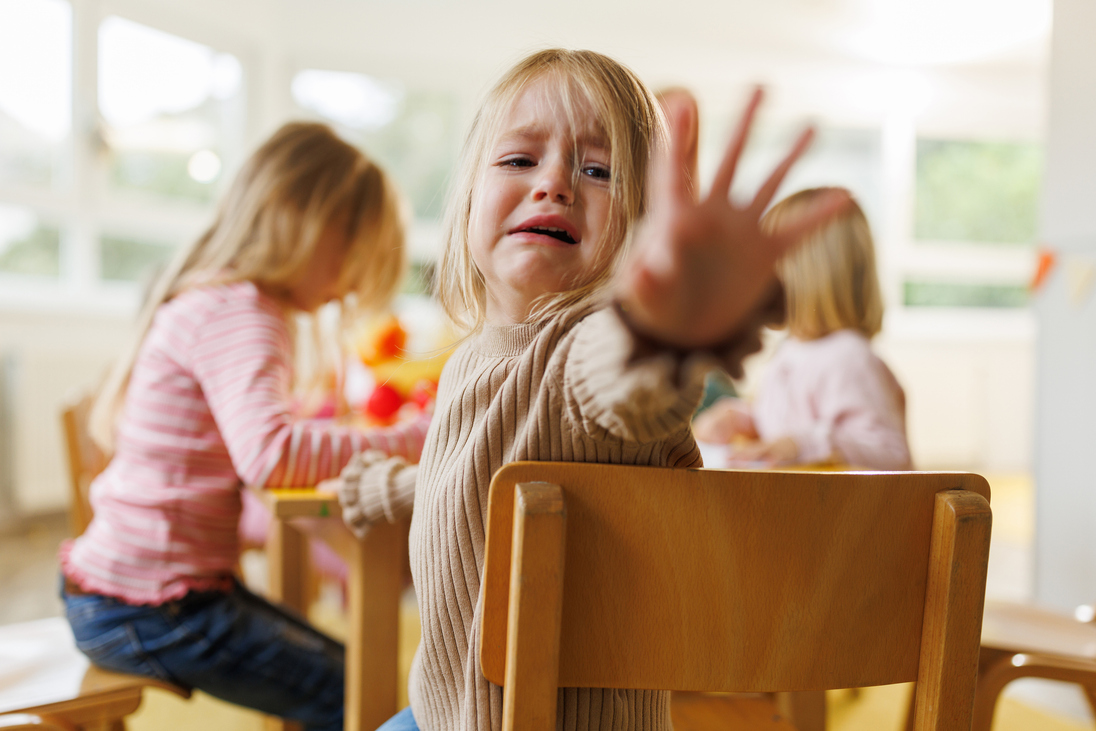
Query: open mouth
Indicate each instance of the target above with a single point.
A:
(556, 233)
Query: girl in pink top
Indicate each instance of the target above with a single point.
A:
(202, 404)
(825, 396)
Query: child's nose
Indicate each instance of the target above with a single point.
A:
(554, 184)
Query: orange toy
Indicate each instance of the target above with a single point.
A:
(403, 383)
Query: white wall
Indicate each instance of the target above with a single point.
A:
(53, 357)
(969, 390)
(1066, 414)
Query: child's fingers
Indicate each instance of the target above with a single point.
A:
(822, 209)
(674, 168)
(768, 190)
(724, 176)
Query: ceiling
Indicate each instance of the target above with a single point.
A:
(955, 63)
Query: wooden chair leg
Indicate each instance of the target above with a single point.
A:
(995, 671)
(1090, 696)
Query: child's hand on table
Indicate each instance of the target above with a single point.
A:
(757, 453)
(331, 485)
(701, 268)
(724, 421)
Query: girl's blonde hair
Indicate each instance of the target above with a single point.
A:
(631, 122)
(830, 279)
(300, 181)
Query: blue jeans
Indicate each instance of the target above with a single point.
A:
(402, 721)
(234, 646)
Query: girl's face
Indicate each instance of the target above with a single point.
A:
(536, 227)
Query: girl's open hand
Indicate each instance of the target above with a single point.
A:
(701, 267)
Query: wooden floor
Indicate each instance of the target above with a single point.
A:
(28, 575)
(873, 709)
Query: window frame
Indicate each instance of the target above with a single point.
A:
(84, 208)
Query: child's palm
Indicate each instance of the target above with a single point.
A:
(701, 268)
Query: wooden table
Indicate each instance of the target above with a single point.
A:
(374, 584)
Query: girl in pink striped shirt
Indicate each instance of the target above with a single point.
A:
(825, 396)
(201, 405)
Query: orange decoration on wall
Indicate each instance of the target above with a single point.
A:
(1044, 263)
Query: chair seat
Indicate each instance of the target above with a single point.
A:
(711, 711)
(42, 672)
(1022, 628)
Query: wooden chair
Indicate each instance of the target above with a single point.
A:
(1021, 641)
(86, 460)
(710, 580)
(43, 674)
(98, 693)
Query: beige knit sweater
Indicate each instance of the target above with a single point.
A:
(578, 387)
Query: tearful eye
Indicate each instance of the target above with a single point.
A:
(597, 172)
(516, 162)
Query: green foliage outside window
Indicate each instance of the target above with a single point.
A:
(38, 253)
(159, 173)
(977, 191)
(419, 148)
(420, 279)
(129, 260)
(952, 294)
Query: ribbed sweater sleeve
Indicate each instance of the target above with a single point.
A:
(636, 398)
(373, 487)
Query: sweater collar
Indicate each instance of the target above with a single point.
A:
(506, 341)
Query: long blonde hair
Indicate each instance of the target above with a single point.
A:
(830, 280)
(631, 121)
(301, 180)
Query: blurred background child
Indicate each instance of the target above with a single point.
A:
(825, 395)
(203, 403)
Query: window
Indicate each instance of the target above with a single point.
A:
(975, 223)
(131, 259)
(950, 294)
(839, 156)
(35, 91)
(171, 114)
(170, 108)
(27, 245)
(985, 192)
(413, 133)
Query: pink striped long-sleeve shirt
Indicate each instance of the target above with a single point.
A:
(208, 409)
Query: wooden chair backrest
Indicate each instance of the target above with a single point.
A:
(713, 580)
(86, 460)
